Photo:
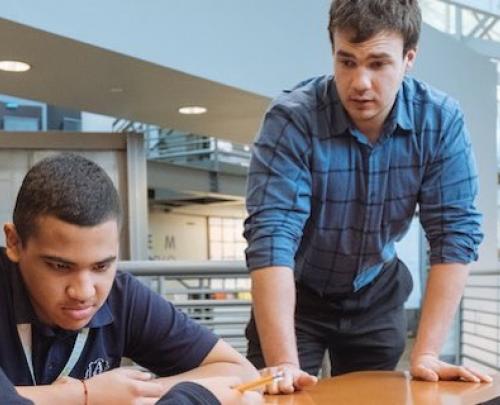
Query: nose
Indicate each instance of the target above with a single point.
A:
(361, 81)
(81, 287)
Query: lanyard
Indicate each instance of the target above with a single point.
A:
(24, 332)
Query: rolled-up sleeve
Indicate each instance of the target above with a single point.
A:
(278, 192)
(450, 185)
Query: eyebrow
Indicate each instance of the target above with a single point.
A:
(380, 55)
(69, 262)
(345, 54)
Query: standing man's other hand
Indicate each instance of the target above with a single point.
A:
(428, 367)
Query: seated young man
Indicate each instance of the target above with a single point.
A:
(183, 393)
(66, 311)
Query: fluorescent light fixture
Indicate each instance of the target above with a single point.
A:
(14, 66)
(116, 90)
(192, 110)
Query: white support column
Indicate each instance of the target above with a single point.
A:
(137, 196)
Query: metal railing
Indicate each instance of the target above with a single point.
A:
(189, 149)
(480, 320)
(200, 290)
(473, 22)
(195, 288)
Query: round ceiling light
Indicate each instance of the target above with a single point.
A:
(14, 66)
(192, 110)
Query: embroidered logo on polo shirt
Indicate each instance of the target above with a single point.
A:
(96, 367)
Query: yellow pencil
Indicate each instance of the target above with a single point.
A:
(259, 382)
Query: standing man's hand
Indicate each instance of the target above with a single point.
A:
(428, 367)
(277, 338)
(294, 379)
(445, 286)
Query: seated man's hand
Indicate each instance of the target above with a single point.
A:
(294, 379)
(67, 380)
(428, 367)
(123, 386)
(222, 388)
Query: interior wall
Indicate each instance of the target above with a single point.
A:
(96, 122)
(183, 233)
(22, 102)
(19, 151)
(14, 164)
(13, 167)
(448, 64)
(177, 236)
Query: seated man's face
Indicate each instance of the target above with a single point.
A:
(368, 75)
(68, 270)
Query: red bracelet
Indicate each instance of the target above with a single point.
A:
(85, 392)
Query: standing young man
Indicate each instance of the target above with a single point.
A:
(337, 171)
(66, 312)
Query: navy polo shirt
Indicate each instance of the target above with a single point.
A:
(8, 394)
(134, 322)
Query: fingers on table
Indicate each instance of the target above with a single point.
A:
(284, 386)
(424, 373)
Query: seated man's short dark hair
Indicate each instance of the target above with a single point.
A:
(366, 18)
(69, 187)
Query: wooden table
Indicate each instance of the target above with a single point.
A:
(389, 388)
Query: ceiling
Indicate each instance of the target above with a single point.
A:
(72, 74)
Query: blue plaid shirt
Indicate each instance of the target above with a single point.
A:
(325, 202)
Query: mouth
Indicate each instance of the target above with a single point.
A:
(361, 103)
(361, 100)
(78, 313)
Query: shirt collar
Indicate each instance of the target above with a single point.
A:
(340, 122)
(25, 313)
(102, 317)
(401, 112)
(399, 117)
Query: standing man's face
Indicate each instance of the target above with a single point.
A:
(68, 270)
(368, 76)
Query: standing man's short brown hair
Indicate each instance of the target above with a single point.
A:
(365, 18)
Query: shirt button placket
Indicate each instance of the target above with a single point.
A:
(370, 194)
(366, 221)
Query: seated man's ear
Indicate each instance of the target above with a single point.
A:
(13, 242)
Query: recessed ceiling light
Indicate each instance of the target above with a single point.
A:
(14, 66)
(192, 110)
(116, 90)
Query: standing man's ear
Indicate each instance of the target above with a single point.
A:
(410, 57)
(13, 242)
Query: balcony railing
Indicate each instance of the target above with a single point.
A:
(201, 290)
(480, 321)
(187, 149)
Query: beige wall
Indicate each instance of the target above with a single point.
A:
(184, 233)
(454, 68)
(177, 236)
